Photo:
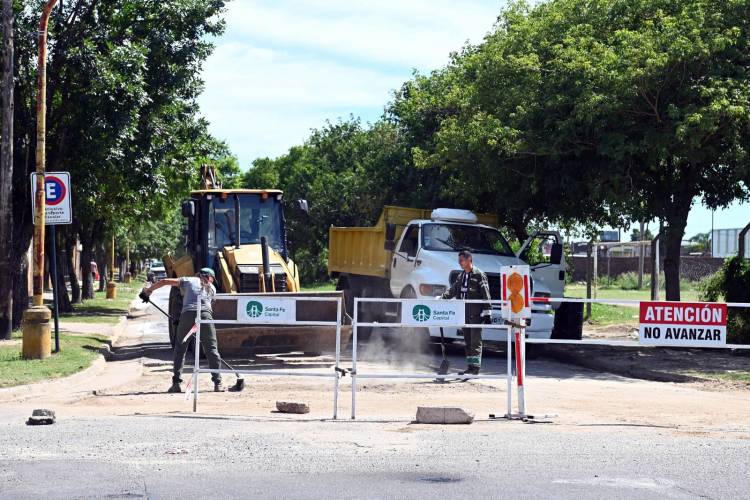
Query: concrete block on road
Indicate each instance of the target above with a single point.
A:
(41, 417)
(288, 407)
(443, 415)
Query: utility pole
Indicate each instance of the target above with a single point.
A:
(36, 327)
(641, 255)
(6, 173)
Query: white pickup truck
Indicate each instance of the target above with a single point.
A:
(412, 253)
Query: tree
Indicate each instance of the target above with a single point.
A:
(636, 235)
(488, 124)
(599, 111)
(123, 78)
(6, 171)
(346, 172)
(666, 107)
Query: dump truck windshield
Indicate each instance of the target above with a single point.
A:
(257, 218)
(456, 237)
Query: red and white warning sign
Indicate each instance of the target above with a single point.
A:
(516, 292)
(684, 324)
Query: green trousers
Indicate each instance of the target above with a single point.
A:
(208, 341)
(473, 341)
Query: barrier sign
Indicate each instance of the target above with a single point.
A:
(57, 210)
(516, 290)
(684, 324)
(433, 313)
(266, 310)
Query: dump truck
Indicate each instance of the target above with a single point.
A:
(241, 235)
(413, 253)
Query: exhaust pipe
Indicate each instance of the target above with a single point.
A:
(266, 266)
(237, 241)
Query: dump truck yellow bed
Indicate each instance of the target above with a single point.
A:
(360, 250)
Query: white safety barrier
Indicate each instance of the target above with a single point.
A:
(516, 334)
(457, 321)
(627, 302)
(279, 318)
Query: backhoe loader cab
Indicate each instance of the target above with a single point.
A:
(224, 231)
(241, 235)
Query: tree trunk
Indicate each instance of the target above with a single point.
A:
(101, 260)
(6, 172)
(20, 290)
(86, 257)
(673, 232)
(63, 299)
(75, 286)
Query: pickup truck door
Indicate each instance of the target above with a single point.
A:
(404, 259)
(543, 251)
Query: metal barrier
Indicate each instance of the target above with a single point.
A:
(273, 373)
(423, 324)
(630, 302)
(516, 331)
(520, 340)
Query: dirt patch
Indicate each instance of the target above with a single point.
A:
(711, 368)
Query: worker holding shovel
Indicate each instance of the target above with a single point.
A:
(200, 287)
(470, 284)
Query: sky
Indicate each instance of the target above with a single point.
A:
(284, 67)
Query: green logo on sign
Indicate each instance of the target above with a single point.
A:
(421, 313)
(254, 309)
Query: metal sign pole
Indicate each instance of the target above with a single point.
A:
(197, 349)
(354, 359)
(509, 375)
(53, 270)
(519, 373)
(338, 357)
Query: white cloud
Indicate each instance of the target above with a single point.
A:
(285, 67)
(413, 33)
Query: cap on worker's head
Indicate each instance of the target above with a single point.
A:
(208, 271)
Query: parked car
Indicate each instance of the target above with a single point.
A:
(156, 272)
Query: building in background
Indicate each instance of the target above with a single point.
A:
(724, 242)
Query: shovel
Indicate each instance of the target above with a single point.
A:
(239, 385)
(445, 364)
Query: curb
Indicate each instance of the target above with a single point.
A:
(27, 390)
(98, 364)
(117, 330)
(588, 358)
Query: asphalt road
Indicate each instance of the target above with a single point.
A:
(100, 452)
(192, 457)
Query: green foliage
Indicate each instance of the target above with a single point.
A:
(732, 284)
(636, 235)
(593, 112)
(346, 172)
(123, 78)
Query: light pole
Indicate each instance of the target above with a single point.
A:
(36, 327)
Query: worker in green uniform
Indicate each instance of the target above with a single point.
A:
(471, 284)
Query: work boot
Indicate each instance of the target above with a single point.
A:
(219, 387)
(471, 370)
(175, 388)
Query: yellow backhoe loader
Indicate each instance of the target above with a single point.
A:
(241, 234)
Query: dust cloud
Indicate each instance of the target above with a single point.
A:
(408, 349)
